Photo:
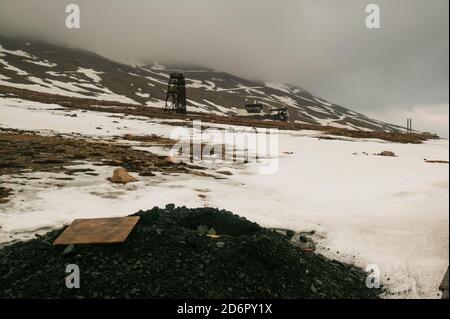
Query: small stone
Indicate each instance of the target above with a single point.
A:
(121, 176)
(220, 244)
(69, 249)
(202, 230)
(387, 153)
(116, 162)
(170, 206)
(290, 234)
(225, 173)
(171, 160)
(148, 173)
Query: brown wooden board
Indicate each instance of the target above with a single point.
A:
(97, 231)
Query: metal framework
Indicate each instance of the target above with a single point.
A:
(280, 114)
(176, 93)
(254, 108)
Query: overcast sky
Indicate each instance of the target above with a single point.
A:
(400, 70)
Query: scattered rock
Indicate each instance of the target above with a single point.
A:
(220, 244)
(225, 173)
(202, 230)
(387, 153)
(147, 174)
(69, 249)
(171, 160)
(121, 176)
(115, 162)
(290, 234)
(212, 231)
(170, 206)
(201, 174)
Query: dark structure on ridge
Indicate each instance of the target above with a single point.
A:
(176, 93)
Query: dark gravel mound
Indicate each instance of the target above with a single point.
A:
(170, 255)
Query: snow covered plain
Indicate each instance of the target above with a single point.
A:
(389, 211)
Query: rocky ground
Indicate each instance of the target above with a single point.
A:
(22, 152)
(4, 193)
(181, 253)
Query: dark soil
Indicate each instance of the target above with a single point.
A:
(436, 161)
(22, 152)
(4, 194)
(28, 151)
(170, 255)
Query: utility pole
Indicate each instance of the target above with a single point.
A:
(409, 125)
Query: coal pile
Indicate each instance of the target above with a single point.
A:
(180, 253)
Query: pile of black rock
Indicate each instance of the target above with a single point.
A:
(176, 252)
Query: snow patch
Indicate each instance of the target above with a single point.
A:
(44, 63)
(91, 73)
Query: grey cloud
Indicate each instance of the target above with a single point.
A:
(321, 45)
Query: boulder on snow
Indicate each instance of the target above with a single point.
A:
(225, 173)
(121, 176)
(387, 153)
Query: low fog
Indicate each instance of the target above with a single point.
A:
(391, 73)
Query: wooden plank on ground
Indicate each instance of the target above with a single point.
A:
(97, 231)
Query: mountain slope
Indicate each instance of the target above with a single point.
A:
(49, 68)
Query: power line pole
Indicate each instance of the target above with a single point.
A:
(409, 125)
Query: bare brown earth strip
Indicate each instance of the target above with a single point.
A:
(4, 194)
(22, 152)
(151, 112)
(436, 162)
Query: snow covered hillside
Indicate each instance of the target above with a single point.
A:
(49, 68)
